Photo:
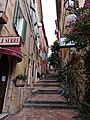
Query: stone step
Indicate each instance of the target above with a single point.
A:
(47, 85)
(50, 78)
(4, 116)
(45, 102)
(47, 92)
(45, 97)
(50, 105)
(49, 81)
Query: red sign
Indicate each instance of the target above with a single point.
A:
(10, 41)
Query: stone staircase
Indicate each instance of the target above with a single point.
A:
(47, 92)
(49, 104)
(45, 95)
(47, 85)
(4, 116)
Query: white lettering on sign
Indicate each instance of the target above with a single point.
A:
(10, 40)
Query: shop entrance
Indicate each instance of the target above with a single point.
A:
(4, 71)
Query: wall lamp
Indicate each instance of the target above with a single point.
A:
(69, 4)
(38, 24)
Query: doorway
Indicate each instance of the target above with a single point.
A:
(4, 71)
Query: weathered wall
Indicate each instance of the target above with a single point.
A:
(16, 96)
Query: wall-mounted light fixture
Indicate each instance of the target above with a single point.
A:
(38, 35)
(39, 24)
(32, 8)
(69, 4)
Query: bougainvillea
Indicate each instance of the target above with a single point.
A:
(80, 29)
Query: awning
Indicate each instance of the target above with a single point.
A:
(12, 51)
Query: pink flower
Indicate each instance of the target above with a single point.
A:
(75, 32)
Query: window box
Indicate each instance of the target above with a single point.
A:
(20, 83)
(20, 80)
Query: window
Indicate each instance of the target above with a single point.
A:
(33, 69)
(40, 52)
(20, 23)
(43, 56)
(32, 11)
(33, 1)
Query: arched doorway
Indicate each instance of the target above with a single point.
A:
(4, 71)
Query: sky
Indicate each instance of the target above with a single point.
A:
(49, 17)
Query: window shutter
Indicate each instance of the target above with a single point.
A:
(16, 13)
(24, 31)
(32, 8)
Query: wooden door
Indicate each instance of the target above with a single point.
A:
(4, 70)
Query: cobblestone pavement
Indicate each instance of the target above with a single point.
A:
(28, 113)
(43, 114)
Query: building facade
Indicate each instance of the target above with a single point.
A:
(44, 51)
(14, 58)
(19, 50)
(65, 13)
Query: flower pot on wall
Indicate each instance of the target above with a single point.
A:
(20, 83)
(20, 80)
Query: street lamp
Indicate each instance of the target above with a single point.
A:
(69, 4)
(39, 24)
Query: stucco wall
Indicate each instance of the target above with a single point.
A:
(16, 96)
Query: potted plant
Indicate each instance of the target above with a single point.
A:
(20, 80)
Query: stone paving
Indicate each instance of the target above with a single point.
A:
(29, 113)
(45, 97)
(43, 114)
(47, 88)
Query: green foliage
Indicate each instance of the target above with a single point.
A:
(55, 58)
(55, 47)
(87, 61)
(22, 77)
(79, 31)
(80, 34)
(72, 83)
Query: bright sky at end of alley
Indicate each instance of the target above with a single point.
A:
(49, 17)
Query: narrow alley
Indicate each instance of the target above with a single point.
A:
(45, 102)
(38, 38)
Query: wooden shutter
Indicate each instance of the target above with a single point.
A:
(16, 12)
(24, 30)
